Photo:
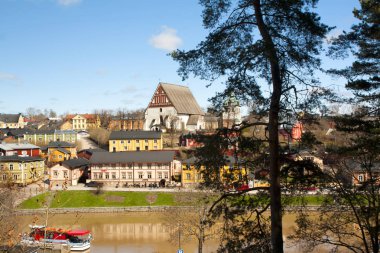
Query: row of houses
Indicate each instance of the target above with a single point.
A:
(171, 107)
(25, 163)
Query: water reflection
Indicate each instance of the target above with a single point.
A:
(142, 232)
(127, 232)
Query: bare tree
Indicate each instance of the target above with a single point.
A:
(8, 219)
(185, 224)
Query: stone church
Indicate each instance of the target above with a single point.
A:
(173, 107)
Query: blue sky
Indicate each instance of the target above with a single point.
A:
(80, 55)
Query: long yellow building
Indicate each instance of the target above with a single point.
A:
(230, 173)
(120, 141)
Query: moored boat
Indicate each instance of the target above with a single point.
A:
(76, 240)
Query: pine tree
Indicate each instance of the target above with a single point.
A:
(256, 42)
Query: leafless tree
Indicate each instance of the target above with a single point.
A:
(187, 223)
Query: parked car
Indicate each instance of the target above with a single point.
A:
(93, 184)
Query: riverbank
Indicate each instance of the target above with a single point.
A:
(100, 210)
(123, 200)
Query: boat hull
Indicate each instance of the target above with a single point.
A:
(57, 244)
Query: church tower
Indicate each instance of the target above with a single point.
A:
(231, 112)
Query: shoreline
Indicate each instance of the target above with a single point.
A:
(122, 209)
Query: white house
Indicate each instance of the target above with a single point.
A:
(173, 106)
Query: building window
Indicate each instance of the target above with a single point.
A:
(160, 109)
(121, 141)
(4, 177)
(149, 166)
(107, 175)
(146, 141)
(129, 141)
(126, 147)
(95, 175)
(129, 175)
(137, 141)
(146, 147)
(123, 175)
(130, 165)
(360, 178)
(140, 175)
(60, 156)
(113, 175)
(10, 166)
(55, 173)
(160, 175)
(149, 174)
(15, 177)
(1, 166)
(166, 175)
(140, 166)
(65, 174)
(188, 176)
(155, 141)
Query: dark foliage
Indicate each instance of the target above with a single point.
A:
(251, 44)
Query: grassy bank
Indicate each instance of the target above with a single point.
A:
(78, 199)
(75, 199)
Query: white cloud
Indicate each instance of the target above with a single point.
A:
(129, 89)
(7, 77)
(101, 72)
(68, 2)
(333, 35)
(167, 39)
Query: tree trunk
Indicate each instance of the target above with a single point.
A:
(274, 166)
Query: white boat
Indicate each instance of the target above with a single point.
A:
(75, 240)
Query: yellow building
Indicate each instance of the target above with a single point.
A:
(231, 174)
(21, 170)
(58, 151)
(83, 121)
(120, 141)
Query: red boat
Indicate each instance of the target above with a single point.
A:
(77, 240)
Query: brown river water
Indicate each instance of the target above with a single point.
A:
(132, 232)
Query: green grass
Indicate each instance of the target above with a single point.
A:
(77, 199)
(71, 199)
(34, 202)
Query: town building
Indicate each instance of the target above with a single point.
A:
(126, 123)
(69, 172)
(43, 137)
(81, 121)
(232, 175)
(19, 149)
(173, 107)
(59, 151)
(365, 175)
(134, 168)
(21, 170)
(135, 141)
(211, 122)
(87, 153)
(12, 121)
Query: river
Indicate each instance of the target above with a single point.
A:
(130, 232)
